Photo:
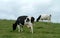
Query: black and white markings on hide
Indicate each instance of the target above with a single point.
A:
(27, 20)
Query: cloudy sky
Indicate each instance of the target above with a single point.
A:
(11, 9)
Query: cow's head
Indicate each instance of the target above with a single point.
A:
(14, 26)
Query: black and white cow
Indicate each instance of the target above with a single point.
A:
(24, 20)
(44, 17)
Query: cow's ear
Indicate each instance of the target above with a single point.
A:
(32, 19)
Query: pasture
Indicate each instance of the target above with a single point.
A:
(41, 30)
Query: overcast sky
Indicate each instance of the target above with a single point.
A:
(11, 9)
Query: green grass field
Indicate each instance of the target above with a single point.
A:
(41, 30)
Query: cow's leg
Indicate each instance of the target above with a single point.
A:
(21, 28)
(18, 26)
(30, 26)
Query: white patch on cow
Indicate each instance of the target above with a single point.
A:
(29, 17)
(26, 19)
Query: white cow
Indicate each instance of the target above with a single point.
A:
(44, 17)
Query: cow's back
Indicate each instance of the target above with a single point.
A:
(21, 19)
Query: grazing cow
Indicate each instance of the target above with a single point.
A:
(24, 20)
(44, 17)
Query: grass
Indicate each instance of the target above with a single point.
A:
(41, 30)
